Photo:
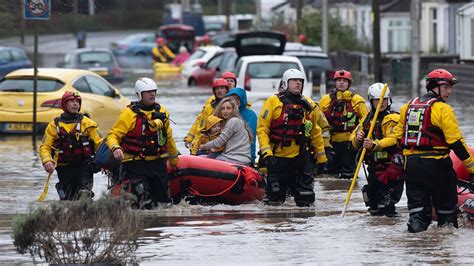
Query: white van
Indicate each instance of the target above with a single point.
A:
(260, 75)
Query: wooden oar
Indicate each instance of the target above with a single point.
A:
(364, 150)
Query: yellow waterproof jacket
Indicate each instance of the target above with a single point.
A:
(203, 139)
(358, 103)
(323, 124)
(89, 128)
(198, 125)
(443, 117)
(126, 123)
(271, 110)
(163, 56)
(388, 128)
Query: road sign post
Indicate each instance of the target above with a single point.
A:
(36, 10)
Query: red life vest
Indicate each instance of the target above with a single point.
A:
(418, 132)
(141, 140)
(74, 146)
(341, 115)
(378, 160)
(290, 124)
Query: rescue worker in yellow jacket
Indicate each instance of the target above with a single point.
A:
(220, 87)
(383, 157)
(343, 110)
(161, 53)
(143, 140)
(289, 140)
(428, 130)
(72, 138)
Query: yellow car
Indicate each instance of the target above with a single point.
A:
(100, 100)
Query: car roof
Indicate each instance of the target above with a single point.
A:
(10, 48)
(62, 74)
(269, 58)
(91, 49)
(298, 49)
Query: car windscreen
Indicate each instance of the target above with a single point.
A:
(95, 57)
(269, 69)
(310, 62)
(196, 55)
(26, 85)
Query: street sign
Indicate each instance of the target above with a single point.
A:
(37, 9)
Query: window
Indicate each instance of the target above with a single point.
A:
(18, 56)
(196, 55)
(5, 57)
(229, 62)
(472, 37)
(215, 62)
(269, 69)
(99, 86)
(95, 57)
(82, 85)
(434, 29)
(26, 85)
(399, 38)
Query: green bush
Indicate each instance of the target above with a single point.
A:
(102, 231)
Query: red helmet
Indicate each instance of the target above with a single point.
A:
(160, 40)
(220, 82)
(303, 38)
(438, 77)
(69, 95)
(343, 74)
(229, 75)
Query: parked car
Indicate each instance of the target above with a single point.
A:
(221, 62)
(99, 60)
(139, 44)
(260, 75)
(314, 60)
(245, 43)
(12, 58)
(199, 57)
(100, 100)
(177, 35)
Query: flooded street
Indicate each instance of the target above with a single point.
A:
(253, 233)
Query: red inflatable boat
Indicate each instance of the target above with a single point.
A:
(215, 181)
(465, 190)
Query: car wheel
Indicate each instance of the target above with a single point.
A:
(192, 82)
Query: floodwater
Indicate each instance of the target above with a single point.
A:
(253, 233)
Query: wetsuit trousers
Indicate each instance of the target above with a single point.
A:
(149, 180)
(74, 180)
(293, 174)
(344, 159)
(430, 182)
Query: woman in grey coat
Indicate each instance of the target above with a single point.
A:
(236, 136)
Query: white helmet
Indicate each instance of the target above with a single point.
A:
(375, 91)
(291, 74)
(144, 84)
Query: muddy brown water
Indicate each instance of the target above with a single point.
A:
(252, 233)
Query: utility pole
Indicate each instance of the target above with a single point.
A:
(298, 6)
(91, 7)
(324, 30)
(376, 43)
(228, 6)
(415, 45)
(258, 10)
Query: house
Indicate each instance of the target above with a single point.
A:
(465, 20)
(438, 26)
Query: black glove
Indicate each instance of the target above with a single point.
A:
(271, 162)
(158, 115)
(330, 154)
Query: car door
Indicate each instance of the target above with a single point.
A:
(208, 71)
(5, 63)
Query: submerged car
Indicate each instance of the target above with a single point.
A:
(12, 58)
(100, 100)
(99, 60)
(199, 57)
(139, 44)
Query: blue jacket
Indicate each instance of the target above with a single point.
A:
(249, 116)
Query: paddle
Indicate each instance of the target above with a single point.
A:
(364, 150)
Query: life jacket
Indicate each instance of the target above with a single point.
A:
(341, 115)
(419, 133)
(290, 124)
(378, 160)
(141, 140)
(73, 146)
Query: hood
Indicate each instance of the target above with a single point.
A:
(211, 121)
(242, 95)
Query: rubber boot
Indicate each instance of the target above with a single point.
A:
(418, 222)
